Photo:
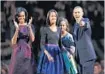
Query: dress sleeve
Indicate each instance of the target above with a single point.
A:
(33, 29)
(43, 38)
(72, 47)
(72, 40)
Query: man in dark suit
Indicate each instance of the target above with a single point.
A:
(85, 54)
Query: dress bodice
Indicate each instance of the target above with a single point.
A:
(23, 33)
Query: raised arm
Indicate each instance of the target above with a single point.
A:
(14, 38)
(32, 37)
(85, 23)
(84, 27)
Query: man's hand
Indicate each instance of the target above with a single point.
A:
(82, 23)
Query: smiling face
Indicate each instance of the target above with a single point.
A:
(52, 17)
(21, 17)
(78, 13)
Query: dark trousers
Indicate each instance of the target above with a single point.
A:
(86, 68)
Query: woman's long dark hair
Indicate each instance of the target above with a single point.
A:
(18, 10)
(47, 18)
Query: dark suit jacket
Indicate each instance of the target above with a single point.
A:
(84, 47)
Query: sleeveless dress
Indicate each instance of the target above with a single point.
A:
(21, 62)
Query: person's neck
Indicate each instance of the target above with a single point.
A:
(22, 23)
(78, 20)
(53, 25)
(64, 33)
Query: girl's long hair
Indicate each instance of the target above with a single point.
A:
(47, 18)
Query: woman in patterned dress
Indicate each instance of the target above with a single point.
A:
(68, 43)
(21, 54)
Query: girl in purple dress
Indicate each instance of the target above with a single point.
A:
(21, 54)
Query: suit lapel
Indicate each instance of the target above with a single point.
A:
(75, 31)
